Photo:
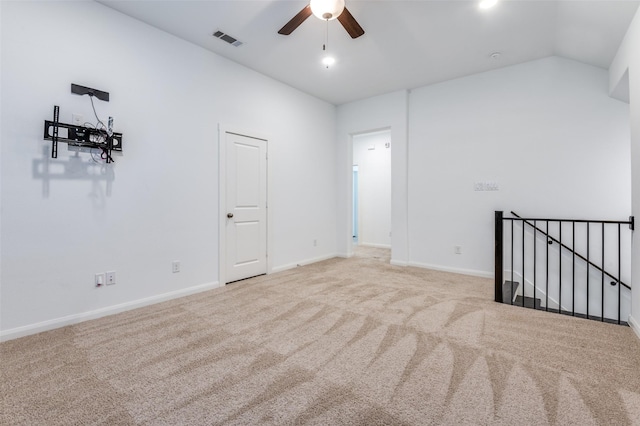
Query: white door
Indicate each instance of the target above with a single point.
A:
(246, 193)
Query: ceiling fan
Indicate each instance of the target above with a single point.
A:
(327, 10)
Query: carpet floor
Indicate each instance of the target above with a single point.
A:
(341, 342)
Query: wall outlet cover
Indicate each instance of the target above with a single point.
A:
(99, 280)
(77, 119)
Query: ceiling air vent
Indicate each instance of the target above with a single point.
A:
(226, 37)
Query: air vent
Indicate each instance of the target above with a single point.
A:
(226, 37)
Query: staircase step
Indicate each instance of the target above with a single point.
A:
(529, 302)
(507, 293)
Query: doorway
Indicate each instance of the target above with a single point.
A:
(371, 190)
(354, 221)
(245, 207)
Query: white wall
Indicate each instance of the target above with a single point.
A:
(167, 97)
(374, 188)
(380, 112)
(625, 70)
(546, 131)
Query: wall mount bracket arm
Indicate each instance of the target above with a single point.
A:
(80, 136)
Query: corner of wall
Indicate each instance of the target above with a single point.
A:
(620, 64)
(635, 326)
(1, 138)
(620, 90)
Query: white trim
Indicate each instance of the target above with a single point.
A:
(472, 272)
(39, 327)
(305, 262)
(222, 193)
(385, 246)
(350, 135)
(635, 326)
(349, 235)
(399, 262)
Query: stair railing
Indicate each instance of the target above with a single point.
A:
(578, 255)
(500, 289)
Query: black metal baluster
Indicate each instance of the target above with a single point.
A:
(512, 291)
(619, 272)
(547, 278)
(524, 282)
(588, 264)
(602, 283)
(560, 267)
(535, 262)
(573, 269)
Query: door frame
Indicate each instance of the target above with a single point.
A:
(350, 249)
(222, 197)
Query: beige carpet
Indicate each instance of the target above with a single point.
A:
(342, 342)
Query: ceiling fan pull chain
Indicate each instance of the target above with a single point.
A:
(325, 46)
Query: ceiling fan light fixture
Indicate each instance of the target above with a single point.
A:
(327, 10)
(328, 61)
(487, 4)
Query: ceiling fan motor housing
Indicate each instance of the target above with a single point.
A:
(327, 10)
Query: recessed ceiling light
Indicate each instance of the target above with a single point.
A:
(327, 61)
(487, 4)
(495, 55)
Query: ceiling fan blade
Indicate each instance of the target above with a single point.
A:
(350, 24)
(296, 21)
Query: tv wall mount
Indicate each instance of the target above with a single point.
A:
(81, 136)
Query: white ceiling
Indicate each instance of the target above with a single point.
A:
(407, 44)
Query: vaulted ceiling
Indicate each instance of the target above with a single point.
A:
(407, 44)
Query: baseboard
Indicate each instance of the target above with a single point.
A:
(472, 272)
(398, 262)
(304, 262)
(384, 246)
(27, 330)
(635, 326)
(344, 255)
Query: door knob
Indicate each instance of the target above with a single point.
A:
(229, 215)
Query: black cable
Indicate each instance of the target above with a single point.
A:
(104, 127)
(105, 155)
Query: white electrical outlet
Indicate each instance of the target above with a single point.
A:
(315, 243)
(175, 266)
(99, 280)
(77, 119)
(457, 249)
(111, 277)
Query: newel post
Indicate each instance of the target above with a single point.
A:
(498, 256)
